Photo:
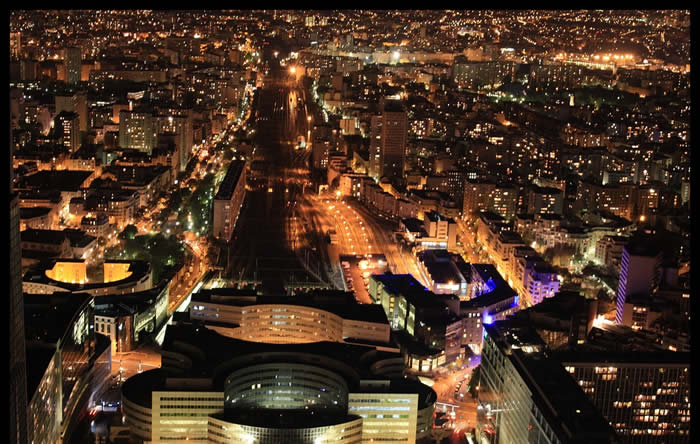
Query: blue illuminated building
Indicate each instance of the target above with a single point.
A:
(492, 299)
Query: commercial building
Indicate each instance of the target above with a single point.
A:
(445, 273)
(640, 274)
(279, 319)
(69, 275)
(388, 135)
(131, 319)
(221, 389)
(428, 330)
(68, 364)
(525, 396)
(644, 396)
(639, 386)
(17, 349)
(228, 200)
(490, 299)
(433, 232)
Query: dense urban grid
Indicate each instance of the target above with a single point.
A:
(356, 226)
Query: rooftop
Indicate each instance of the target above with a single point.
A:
(48, 317)
(235, 169)
(63, 180)
(408, 287)
(344, 306)
(565, 406)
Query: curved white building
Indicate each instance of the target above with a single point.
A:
(219, 389)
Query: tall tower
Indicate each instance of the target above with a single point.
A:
(640, 273)
(375, 146)
(73, 63)
(77, 103)
(137, 130)
(18, 360)
(15, 45)
(388, 135)
(68, 125)
(394, 135)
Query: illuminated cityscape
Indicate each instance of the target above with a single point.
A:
(349, 226)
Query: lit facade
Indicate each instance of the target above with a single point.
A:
(77, 364)
(137, 130)
(640, 274)
(73, 65)
(645, 398)
(527, 397)
(258, 392)
(70, 275)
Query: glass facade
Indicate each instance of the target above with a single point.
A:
(223, 432)
(507, 412)
(645, 403)
(286, 386)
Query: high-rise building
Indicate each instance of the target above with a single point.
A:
(18, 363)
(388, 135)
(525, 396)
(640, 274)
(484, 195)
(546, 200)
(644, 396)
(73, 65)
(77, 103)
(137, 130)
(70, 364)
(15, 45)
(68, 130)
(180, 125)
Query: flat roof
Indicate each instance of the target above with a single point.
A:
(218, 355)
(344, 305)
(285, 418)
(136, 174)
(410, 288)
(63, 180)
(37, 273)
(32, 212)
(413, 225)
(235, 169)
(651, 358)
(43, 236)
(47, 317)
(559, 398)
(443, 271)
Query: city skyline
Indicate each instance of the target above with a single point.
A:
(413, 226)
